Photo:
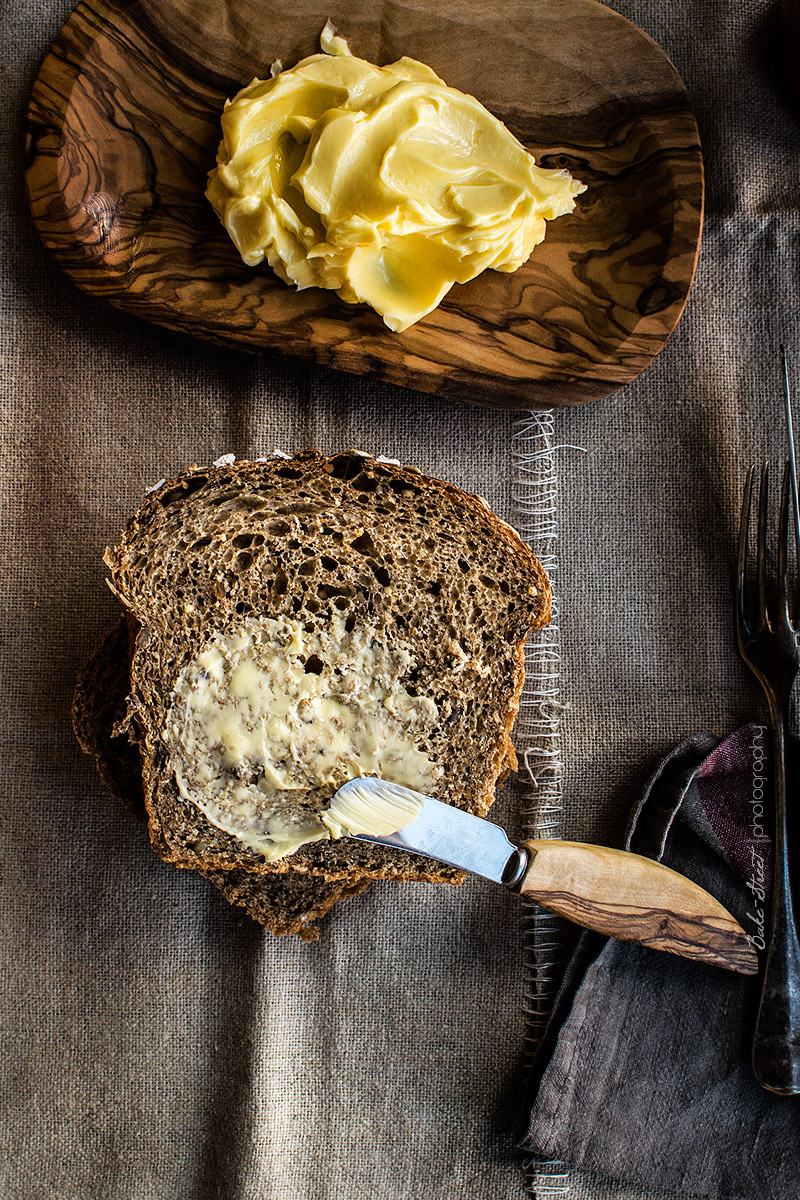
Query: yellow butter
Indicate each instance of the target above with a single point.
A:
(380, 183)
(375, 812)
(269, 719)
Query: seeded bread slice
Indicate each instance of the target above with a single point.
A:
(285, 904)
(410, 559)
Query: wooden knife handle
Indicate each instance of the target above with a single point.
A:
(637, 900)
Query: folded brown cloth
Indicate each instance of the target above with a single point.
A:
(643, 1074)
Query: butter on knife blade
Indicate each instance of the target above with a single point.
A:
(614, 892)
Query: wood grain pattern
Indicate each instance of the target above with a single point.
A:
(123, 126)
(635, 899)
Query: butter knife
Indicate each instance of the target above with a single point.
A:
(613, 892)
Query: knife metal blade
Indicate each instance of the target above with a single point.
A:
(441, 831)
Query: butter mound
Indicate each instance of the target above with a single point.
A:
(373, 807)
(269, 719)
(380, 183)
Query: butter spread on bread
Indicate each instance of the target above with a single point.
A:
(269, 715)
(381, 183)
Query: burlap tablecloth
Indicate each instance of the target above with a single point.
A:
(155, 1045)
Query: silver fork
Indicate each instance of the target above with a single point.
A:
(768, 642)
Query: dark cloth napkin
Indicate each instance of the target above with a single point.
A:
(643, 1073)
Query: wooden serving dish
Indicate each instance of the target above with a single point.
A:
(123, 126)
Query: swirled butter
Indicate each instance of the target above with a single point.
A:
(269, 719)
(381, 183)
(375, 808)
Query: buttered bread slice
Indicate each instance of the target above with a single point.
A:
(308, 620)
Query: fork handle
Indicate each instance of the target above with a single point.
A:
(776, 1042)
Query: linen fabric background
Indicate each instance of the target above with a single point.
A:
(156, 1045)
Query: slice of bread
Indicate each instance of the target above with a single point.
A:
(99, 705)
(285, 904)
(435, 593)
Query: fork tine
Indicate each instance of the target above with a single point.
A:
(783, 543)
(787, 401)
(761, 545)
(744, 534)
